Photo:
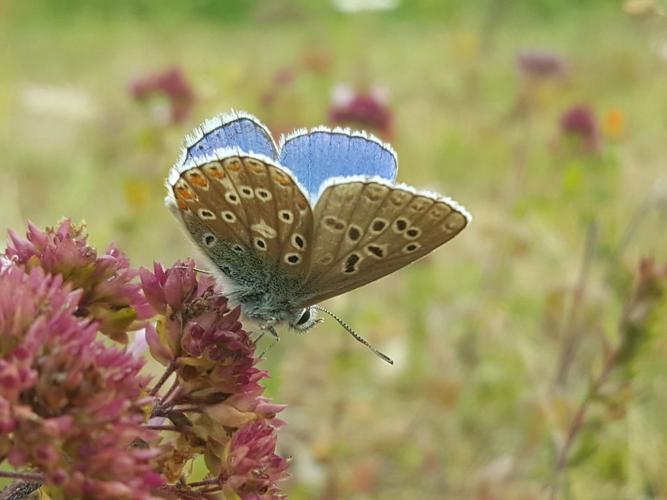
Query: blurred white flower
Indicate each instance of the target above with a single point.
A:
(353, 6)
(659, 48)
(61, 102)
(342, 94)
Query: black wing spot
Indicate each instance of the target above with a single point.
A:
(412, 233)
(260, 243)
(378, 225)
(298, 241)
(411, 247)
(376, 251)
(292, 258)
(209, 240)
(401, 225)
(354, 232)
(350, 264)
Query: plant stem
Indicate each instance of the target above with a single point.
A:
(167, 373)
(570, 331)
(579, 419)
(23, 476)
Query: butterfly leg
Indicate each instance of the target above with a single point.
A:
(268, 327)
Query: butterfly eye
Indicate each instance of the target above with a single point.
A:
(305, 316)
(306, 320)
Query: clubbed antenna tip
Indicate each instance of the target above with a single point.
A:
(357, 337)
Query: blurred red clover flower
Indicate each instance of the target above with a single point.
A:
(171, 84)
(578, 123)
(361, 109)
(540, 64)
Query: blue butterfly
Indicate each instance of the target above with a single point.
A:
(289, 226)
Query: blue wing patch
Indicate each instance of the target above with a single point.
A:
(321, 154)
(233, 130)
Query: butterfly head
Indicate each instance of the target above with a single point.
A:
(305, 319)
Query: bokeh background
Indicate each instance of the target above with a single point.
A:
(547, 119)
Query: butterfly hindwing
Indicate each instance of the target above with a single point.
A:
(241, 208)
(367, 229)
(317, 155)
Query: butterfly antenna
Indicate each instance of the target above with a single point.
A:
(357, 337)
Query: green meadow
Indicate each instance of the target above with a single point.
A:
(530, 350)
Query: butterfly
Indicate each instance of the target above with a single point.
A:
(288, 226)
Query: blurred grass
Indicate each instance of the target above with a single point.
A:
(469, 411)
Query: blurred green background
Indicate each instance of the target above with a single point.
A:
(547, 119)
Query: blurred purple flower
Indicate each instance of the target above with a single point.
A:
(578, 123)
(110, 295)
(170, 83)
(365, 109)
(539, 64)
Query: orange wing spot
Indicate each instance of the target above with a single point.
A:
(184, 191)
(233, 164)
(255, 166)
(301, 204)
(280, 177)
(181, 203)
(197, 178)
(214, 169)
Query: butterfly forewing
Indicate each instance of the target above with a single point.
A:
(365, 230)
(251, 207)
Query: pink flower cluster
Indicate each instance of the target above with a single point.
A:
(109, 293)
(215, 390)
(76, 414)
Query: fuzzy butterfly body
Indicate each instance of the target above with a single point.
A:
(287, 227)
